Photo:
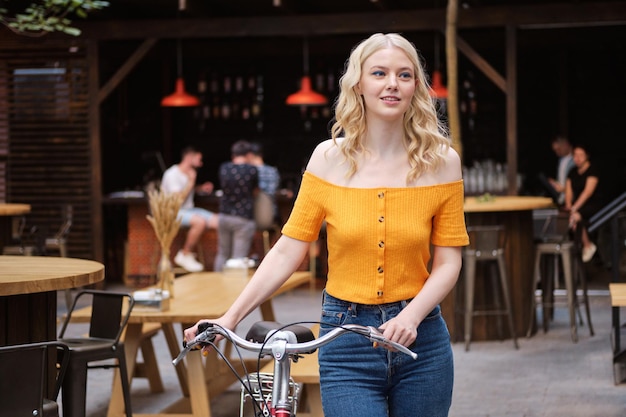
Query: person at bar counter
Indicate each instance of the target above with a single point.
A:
(181, 178)
(239, 181)
(269, 177)
(563, 150)
(389, 187)
(583, 197)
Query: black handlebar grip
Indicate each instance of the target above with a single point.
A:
(201, 328)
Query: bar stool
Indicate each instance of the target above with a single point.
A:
(556, 243)
(20, 248)
(487, 245)
(58, 242)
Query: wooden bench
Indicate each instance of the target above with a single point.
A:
(305, 372)
(618, 300)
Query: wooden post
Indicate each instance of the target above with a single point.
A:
(453, 84)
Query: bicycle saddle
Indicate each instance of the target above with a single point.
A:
(260, 330)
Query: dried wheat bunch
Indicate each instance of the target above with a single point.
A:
(163, 218)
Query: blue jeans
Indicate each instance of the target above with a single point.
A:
(358, 380)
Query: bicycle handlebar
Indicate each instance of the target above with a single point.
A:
(205, 337)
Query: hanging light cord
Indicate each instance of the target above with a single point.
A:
(179, 59)
(305, 58)
(437, 65)
(182, 5)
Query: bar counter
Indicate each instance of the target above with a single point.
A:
(515, 213)
(141, 250)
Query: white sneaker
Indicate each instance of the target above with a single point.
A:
(188, 262)
(588, 252)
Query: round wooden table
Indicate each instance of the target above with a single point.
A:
(28, 298)
(515, 213)
(12, 209)
(35, 274)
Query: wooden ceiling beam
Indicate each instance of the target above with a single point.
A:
(558, 15)
(125, 69)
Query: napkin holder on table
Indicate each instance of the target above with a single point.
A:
(152, 300)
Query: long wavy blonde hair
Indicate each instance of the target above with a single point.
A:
(424, 135)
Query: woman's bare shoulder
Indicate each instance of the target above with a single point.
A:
(450, 170)
(325, 157)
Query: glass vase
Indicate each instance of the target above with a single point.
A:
(165, 274)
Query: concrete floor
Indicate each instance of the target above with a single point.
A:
(548, 376)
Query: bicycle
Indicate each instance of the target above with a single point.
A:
(276, 395)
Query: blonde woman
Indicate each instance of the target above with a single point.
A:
(389, 187)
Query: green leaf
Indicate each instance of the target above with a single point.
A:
(51, 15)
(72, 31)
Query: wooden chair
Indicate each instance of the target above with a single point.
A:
(24, 372)
(109, 316)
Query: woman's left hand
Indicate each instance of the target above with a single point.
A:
(400, 331)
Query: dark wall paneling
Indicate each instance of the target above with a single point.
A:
(4, 130)
(43, 87)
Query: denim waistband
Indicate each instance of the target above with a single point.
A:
(329, 299)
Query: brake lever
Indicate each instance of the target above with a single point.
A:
(377, 336)
(203, 338)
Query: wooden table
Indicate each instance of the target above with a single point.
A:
(37, 274)
(197, 296)
(618, 300)
(28, 295)
(515, 213)
(13, 209)
(28, 299)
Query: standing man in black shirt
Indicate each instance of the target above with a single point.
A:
(239, 181)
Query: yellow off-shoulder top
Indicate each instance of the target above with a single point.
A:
(378, 238)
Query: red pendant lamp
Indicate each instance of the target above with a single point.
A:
(306, 96)
(437, 89)
(179, 98)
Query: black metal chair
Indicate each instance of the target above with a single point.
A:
(109, 316)
(24, 375)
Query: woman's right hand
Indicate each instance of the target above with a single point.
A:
(191, 332)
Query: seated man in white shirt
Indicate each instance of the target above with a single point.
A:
(181, 178)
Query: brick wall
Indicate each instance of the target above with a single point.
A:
(143, 250)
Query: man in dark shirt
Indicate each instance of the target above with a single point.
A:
(239, 181)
